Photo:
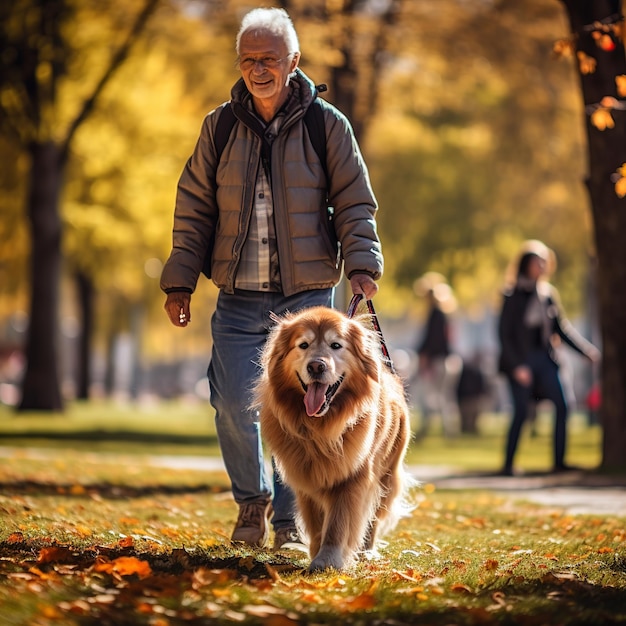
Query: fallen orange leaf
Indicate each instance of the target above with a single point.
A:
(125, 566)
(126, 542)
(42, 575)
(54, 555)
(408, 574)
(51, 612)
(358, 603)
(203, 577)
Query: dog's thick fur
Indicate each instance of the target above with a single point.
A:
(335, 418)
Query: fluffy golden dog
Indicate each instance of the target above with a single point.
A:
(335, 418)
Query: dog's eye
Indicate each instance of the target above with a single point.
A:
(335, 345)
(304, 345)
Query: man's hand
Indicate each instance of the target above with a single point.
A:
(177, 308)
(363, 284)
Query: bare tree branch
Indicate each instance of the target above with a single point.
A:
(117, 60)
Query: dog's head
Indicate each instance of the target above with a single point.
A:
(322, 359)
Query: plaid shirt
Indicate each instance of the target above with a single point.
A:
(258, 267)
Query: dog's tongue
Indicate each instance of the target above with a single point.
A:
(314, 398)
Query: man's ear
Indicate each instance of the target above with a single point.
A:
(294, 61)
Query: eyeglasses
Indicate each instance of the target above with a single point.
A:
(247, 63)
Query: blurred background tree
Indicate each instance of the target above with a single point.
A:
(38, 54)
(469, 124)
(598, 39)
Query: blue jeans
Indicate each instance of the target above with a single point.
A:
(240, 326)
(546, 385)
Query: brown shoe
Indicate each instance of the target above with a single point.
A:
(252, 525)
(288, 539)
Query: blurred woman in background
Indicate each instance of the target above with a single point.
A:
(438, 367)
(531, 319)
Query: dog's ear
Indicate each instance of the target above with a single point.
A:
(279, 340)
(367, 348)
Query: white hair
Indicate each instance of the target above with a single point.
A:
(275, 21)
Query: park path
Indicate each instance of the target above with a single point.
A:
(575, 492)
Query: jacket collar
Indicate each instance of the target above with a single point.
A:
(302, 94)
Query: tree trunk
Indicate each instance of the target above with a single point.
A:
(41, 388)
(607, 152)
(109, 367)
(118, 324)
(85, 302)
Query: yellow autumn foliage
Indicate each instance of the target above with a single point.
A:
(602, 119)
(586, 63)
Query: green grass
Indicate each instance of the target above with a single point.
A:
(93, 539)
(110, 539)
(188, 429)
(161, 428)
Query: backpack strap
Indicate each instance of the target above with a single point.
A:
(223, 128)
(313, 120)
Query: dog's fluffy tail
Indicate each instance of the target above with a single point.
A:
(402, 506)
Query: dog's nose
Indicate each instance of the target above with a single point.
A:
(316, 367)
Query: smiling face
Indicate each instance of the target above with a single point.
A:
(321, 362)
(265, 63)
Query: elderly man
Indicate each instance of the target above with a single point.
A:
(260, 207)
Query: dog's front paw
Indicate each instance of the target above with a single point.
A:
(327, 557)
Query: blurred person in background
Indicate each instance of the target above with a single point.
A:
(438, 368)
(472, 394)
(530, 319)
(262, 210)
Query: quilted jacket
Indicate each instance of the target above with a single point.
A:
(214, 200)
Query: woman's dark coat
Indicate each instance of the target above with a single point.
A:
(516, 339)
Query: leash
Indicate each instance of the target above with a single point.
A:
(354, 303)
